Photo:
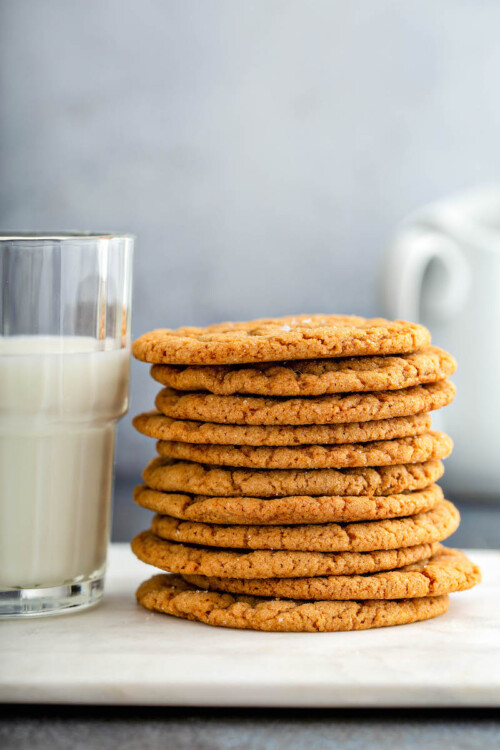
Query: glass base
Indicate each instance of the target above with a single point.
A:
(56, 600)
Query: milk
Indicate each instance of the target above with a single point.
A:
(59, 400)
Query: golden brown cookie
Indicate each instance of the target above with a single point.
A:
(340, 407)
(297, 509)
(172, 595)
(432, 526)
(312, 377)
(182, 476)
(191, 559)
(447, 571)
(273, 339)
(157, 425)
(431, 445)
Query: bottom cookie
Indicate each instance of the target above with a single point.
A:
(172, 595)
(447, 571)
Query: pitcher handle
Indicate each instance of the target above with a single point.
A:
(425, 264)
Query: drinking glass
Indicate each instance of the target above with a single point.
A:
(64, 369)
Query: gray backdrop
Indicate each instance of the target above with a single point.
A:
(261, 150)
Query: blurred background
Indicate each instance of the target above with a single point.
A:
(263, 151)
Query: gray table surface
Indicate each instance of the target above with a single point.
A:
(103, 728)
(51, 728)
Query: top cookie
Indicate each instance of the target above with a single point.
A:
(274, 339)
(312, 377)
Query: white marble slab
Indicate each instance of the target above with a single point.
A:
(118, 653)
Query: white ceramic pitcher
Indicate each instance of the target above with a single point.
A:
(443, 270)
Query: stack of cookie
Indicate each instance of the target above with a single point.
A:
(295, 484)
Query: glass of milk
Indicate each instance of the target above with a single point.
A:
(64, 370)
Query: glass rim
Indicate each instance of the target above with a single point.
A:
(63, 236)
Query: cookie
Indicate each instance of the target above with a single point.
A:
(447, 571)
(312, 377)
(273, 339)
(172, 595)
(431, 445)
(182, 476)
(349, 407)
(432, 526)
(298, 509)
(157, 425)
(190, 559)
